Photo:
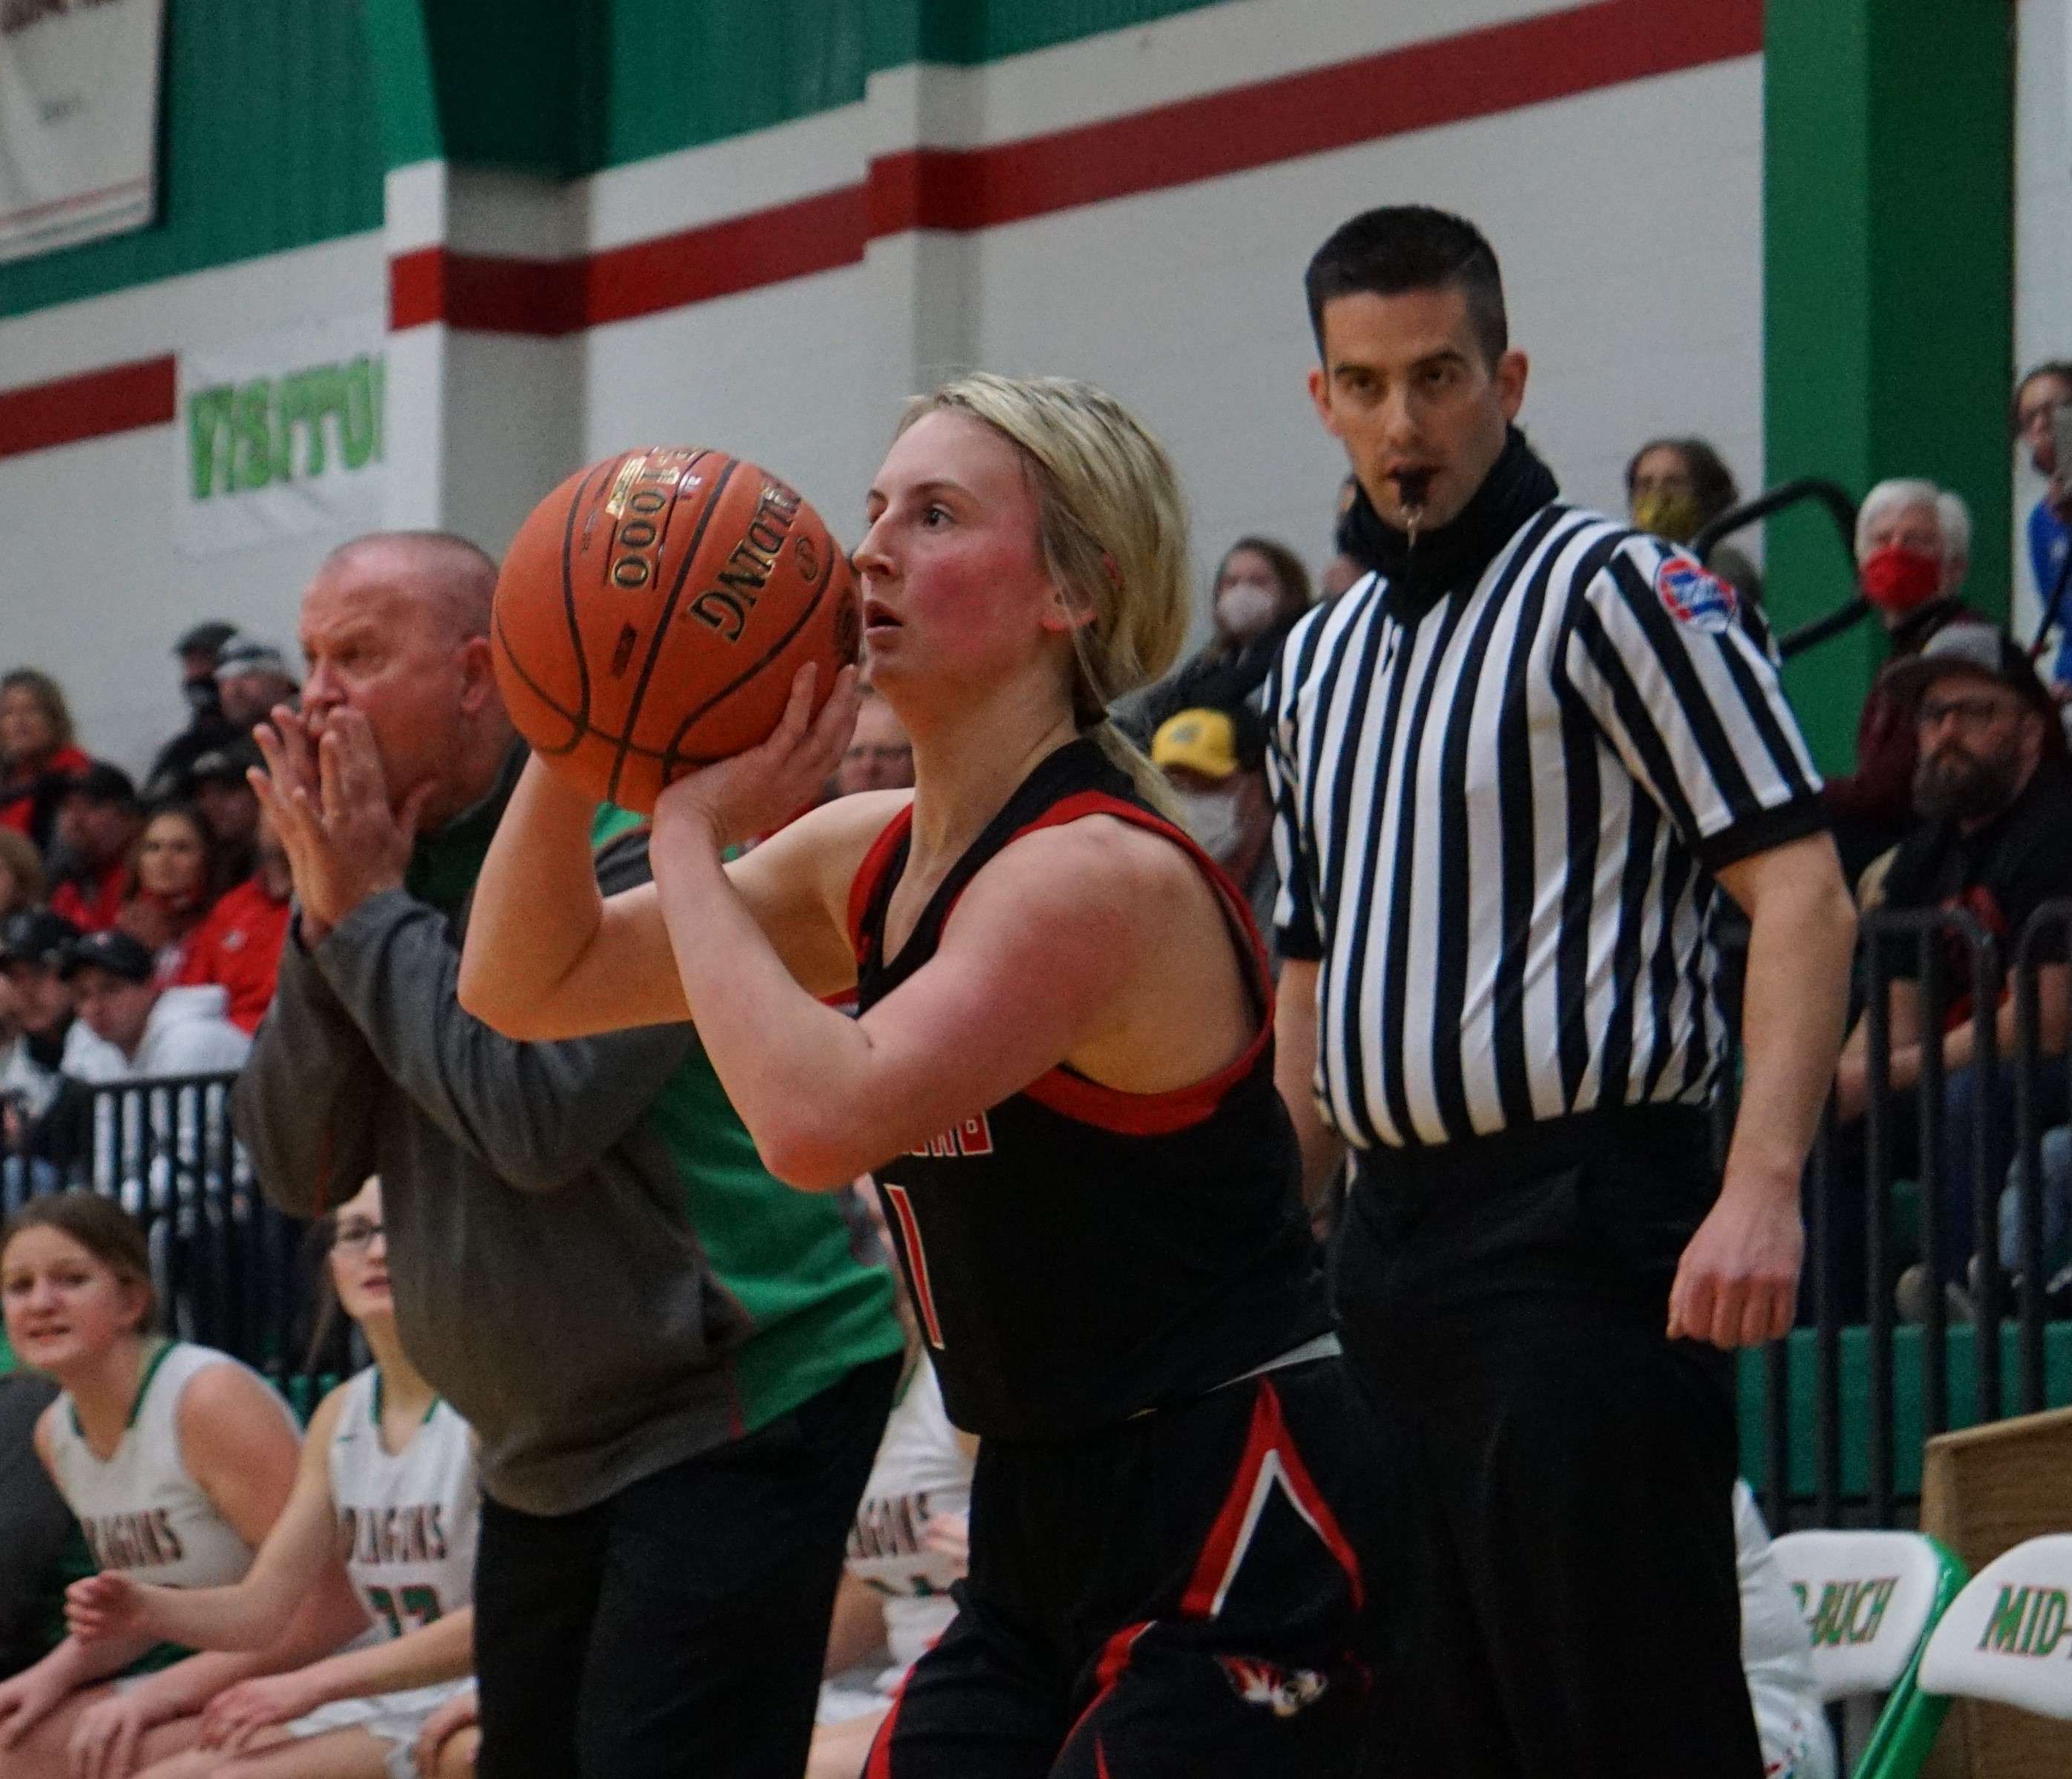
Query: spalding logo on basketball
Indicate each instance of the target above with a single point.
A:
(1692, 595)
(652, 610)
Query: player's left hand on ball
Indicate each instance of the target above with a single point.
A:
(1737, 1282)
(757, 792)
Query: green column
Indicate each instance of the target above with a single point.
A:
(1888, 286)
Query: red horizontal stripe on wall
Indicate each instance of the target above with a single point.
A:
(787, 240)
(417, 288)
(1422, 86)
(547, 298)
(91, 405)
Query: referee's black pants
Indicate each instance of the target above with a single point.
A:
(1505, 1300)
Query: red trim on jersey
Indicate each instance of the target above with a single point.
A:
(917, 1257)
(1152, 1114)
(1224, 1550)
(864, 885)
(1062, 1089)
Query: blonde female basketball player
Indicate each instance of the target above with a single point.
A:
(175, 1459)
(387, 1482)
(1061, 1075)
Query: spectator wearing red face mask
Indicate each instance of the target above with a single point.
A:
(1911, 561)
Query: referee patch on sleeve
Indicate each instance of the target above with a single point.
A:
(1694, 597)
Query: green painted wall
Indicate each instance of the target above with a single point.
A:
(275, 132)
(1889, 294)
(568, 86)
(268, 137)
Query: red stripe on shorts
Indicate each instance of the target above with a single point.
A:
(1270, 1455)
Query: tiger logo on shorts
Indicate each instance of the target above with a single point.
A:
(1284, 1692)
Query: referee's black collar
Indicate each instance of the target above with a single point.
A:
(1451, 557)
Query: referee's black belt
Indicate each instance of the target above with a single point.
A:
(1678, 1136)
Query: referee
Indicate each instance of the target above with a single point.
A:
(1512, 767)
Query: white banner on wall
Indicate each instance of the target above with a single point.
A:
(281, 436)
(79, 120)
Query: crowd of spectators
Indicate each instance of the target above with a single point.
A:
(140, 931)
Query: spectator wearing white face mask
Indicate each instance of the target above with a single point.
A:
(1259, 590)
(1215, 762)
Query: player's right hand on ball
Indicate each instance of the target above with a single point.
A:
(105, 1605)
(755, 793)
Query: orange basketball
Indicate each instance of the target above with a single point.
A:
(652, 610)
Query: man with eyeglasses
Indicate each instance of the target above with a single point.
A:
(1992, 792)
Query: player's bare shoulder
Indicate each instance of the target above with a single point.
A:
(1131, 880)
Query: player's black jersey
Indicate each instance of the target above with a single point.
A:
(1077, 1254)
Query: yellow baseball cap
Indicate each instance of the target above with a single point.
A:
(1199, 740)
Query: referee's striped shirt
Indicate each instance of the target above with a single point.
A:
(1495, 819)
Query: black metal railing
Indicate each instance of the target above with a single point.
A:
(1848, 1449)
(229, 1268)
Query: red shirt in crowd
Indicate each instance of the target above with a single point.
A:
(239, 947)
(28, 804)
(94, 905)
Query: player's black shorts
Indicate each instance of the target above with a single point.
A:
(1184, 1594)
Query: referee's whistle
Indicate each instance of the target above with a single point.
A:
(1412, 486)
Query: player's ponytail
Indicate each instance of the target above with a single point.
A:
(1113, 526)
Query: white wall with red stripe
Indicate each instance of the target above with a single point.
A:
(1627, 213)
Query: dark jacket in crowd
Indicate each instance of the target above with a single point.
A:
(1215, 680)
(208, 733)
(1872, 808)
(29, 804)
(36, 1530)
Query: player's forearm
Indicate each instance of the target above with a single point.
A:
(443, 1650)
(245, 1617)
(536, 906)
(187, 1686)
(798, 1072)
(1793, 1007)
(79, 1664)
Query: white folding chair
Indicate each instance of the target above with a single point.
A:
(2008, 1637)
(1870, 1600)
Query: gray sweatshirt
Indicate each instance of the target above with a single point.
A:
(546, 1276)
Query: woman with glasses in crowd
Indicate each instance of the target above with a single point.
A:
(388, 1478)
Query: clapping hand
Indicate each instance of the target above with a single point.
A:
(327, 798)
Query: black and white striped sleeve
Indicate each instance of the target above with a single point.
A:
(1656, 650)
(1295, 932)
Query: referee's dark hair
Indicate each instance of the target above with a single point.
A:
(1411, 247)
